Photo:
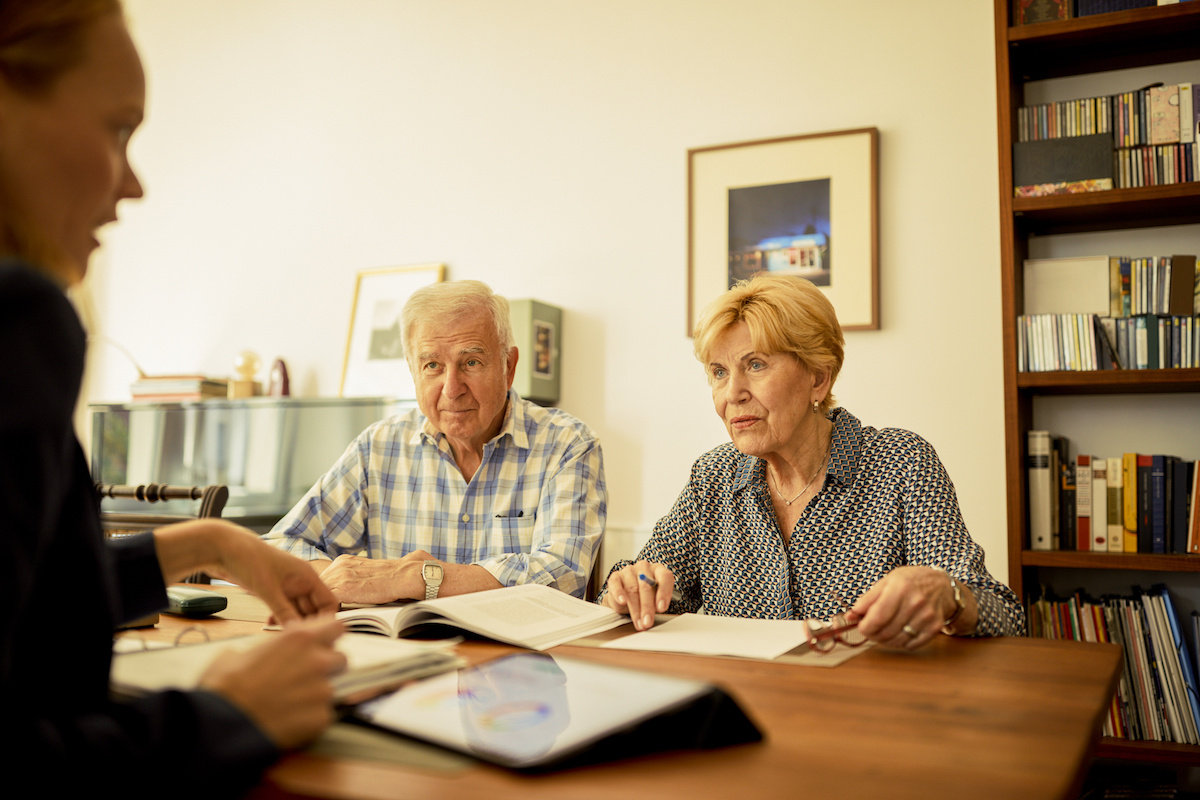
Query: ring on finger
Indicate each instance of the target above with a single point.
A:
(909, 630)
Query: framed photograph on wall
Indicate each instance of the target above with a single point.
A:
(375, 365)
(798, 205)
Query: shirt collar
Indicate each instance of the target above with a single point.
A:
(513, 426)
(844, 444)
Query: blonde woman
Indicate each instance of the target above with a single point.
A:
(806, 508)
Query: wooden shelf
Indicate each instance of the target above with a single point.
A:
(1148, 752)
(1141, 207)
(1119, 381)
(1119, 40)
(1083, 560)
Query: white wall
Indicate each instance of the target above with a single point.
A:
(540, 145)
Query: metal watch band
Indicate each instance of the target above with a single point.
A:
(431, 572)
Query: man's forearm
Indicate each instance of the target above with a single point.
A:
(355, 579)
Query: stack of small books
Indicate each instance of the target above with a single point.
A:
(174, 388)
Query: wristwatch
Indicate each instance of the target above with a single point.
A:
(431, 571)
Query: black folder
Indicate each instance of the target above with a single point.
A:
(1075, 158)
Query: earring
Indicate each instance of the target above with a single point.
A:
(815, 408)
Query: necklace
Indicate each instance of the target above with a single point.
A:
(817, 474)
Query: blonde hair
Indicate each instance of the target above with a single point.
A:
(439, 301)
(784, 314)
(40, 40)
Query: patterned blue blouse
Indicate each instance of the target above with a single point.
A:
(887, 502)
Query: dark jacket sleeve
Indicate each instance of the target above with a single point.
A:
(60, 595)
(139, 577)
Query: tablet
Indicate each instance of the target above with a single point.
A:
(530, 710)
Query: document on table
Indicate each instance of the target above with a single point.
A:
(706, 635)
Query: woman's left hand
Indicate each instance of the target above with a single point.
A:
(908, 607)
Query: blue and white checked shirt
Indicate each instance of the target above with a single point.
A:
(533, 512)
(887, 501)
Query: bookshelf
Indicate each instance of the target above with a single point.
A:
(1125, 40)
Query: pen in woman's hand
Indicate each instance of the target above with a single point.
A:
(676, 595)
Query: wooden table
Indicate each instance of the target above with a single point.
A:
(996, 718)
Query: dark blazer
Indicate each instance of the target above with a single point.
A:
(62, 589)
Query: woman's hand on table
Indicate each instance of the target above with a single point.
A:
(640, 590)
(908, 607)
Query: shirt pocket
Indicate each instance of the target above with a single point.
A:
(513, 533)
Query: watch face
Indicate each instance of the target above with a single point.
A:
(431, 571)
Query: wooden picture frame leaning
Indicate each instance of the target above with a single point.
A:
(374, 365)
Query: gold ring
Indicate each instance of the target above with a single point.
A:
(909, 630)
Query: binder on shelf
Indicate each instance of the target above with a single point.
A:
(1069, 160)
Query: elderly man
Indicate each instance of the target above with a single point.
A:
(476, 489)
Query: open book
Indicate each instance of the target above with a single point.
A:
(530, 615)
(371, 664)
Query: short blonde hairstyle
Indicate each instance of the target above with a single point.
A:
(785, 314)
(441, 301)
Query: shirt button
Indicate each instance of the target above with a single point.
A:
(466, 517)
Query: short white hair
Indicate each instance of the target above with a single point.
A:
(439, 301)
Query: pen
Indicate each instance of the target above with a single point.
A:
(676, 595)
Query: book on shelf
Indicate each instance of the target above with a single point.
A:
(1129, 495)
(1041, 490)
(1099, 505)
(1178, 498)
(1164, 114)
(530, 615)
(1144, 530)
(1194, 510)
(165, 388)
(1115, 504)
(1181, 285)
(1078, 285)
(1087, 8)
(1112, 286)
(1109, 312)
(1156, 693)
(1083, 502)
(1149, 135)
(1027, 12)
(1158, 501)
(1175, 641)
(1066, 493)
(1187, 113)
(372, 664)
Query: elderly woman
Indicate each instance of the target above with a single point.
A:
(71, 94)
(806, 507)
